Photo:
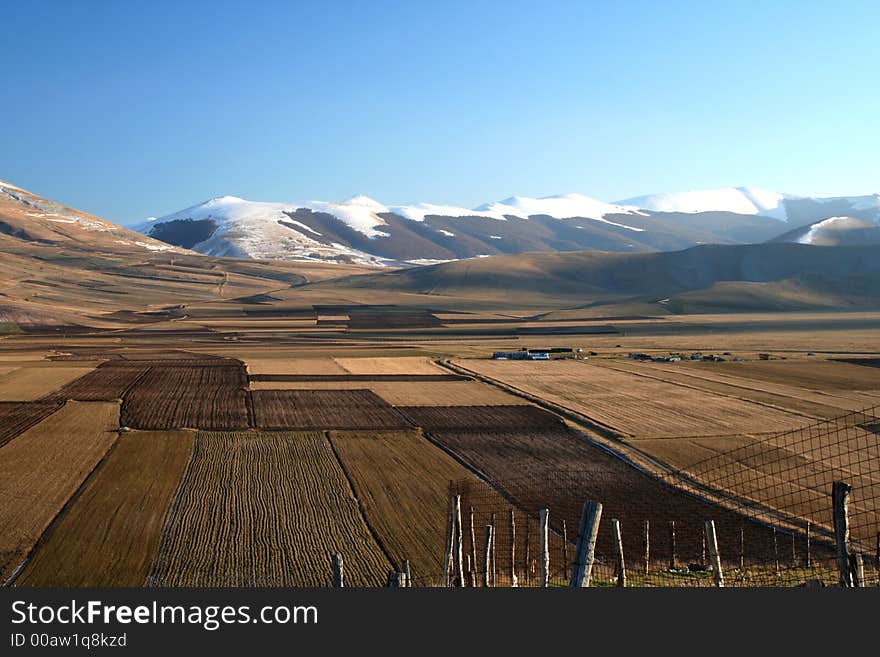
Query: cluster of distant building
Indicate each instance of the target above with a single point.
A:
(531, 354)
(676, 358)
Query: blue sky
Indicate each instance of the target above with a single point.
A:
(131, 109)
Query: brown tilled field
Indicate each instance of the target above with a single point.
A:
(323, 409)
(476, 418)
(16, 417)
(636, 405)
(32, 383)
(265, 509)
(208, 397)
(108, 382)
(559, 470)
(43, 467)
(402, 483)
(110, 534)
(431, 393)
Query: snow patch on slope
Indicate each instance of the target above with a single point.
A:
(741, 200)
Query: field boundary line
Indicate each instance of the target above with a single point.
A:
(58, 406)
(64, 508)
(169, 513)
(351, 486)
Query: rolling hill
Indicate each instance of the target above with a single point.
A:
(773, 276)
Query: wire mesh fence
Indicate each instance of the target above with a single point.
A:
(770, 502)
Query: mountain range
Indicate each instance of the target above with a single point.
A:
(363, 230)
(63, 269)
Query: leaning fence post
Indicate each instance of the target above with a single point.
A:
(618, 544)
(492, 570)
(712, 540)
(513, 581)
(840, 499)
(486, 556)
(543, 530)
(647, 545)
(586, 544)
(338, 581)
(472, 557)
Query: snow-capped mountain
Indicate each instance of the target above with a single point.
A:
(365, 230)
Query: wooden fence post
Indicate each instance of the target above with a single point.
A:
(840, 500)
(527, 571)
(586, 544)
(742, 549)
(564, 549)
(472, 557)
(487, 581)
(407, 576)
(647, 545)
(672, 559)
(513, 582)
(493, 569)
(809, 546)
(544, 538)
(712, 540)
(338, 579)
(618, 544)
(458, 543)
(450, 542)
(775, 552)
(857, 570)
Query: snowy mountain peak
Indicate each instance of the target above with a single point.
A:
(365, 201)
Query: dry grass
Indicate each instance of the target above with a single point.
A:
(431, 393)
(265, 509)
(31, 383)
(390, 365)
(294, 365)
(43, 467)
(402, 482)
(110, 534)
(811, 374)
(817, 404)
(636, 405)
